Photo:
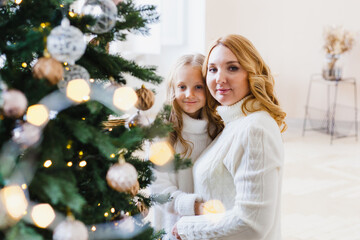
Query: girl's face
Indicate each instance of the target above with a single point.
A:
(190, 90)
(226, 79)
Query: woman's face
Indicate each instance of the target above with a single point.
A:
(226, 79)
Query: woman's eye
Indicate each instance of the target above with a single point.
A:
(233, 68)
(212, 70)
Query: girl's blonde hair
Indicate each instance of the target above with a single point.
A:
(261, 81)
(215, 123)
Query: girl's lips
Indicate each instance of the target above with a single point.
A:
(223, 90)
(190, 102)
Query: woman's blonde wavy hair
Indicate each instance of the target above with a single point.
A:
(261, 81)
(215, 125)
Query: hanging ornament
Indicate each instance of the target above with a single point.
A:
(66, 43)
(14, 103)
(26, 135)
(146, 98)
(143, 209)
(49, 68)
(73, 72)
(71, 229)
(133, 121)
(122, 176)
(103, 11)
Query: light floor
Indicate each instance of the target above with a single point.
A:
(321, 187)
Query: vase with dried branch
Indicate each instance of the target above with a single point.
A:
(337, 42)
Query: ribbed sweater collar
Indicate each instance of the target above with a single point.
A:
(232, 112)
(192, 125)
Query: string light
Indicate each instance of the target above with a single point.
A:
(47, 163)
(83, 118)
(161, 153)
(68, 146)
(24, 186)
(78, 90)
(81, 153)
(93, 228)
(18, 2)
(106, 214)
(65, 63)
(110, 129)
(99, 204)
(61, 5)
(43, 25)
(24, 64)
(14, 200)
(112, 155)
(43, 215)
(69, 164)
(82, 163)
(37, 114)
(71, 14)
(112, 210)
(92, 80)
(124, 98)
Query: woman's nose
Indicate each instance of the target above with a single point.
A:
(220, 77)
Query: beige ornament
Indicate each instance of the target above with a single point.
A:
(48, 68)
(71, 229)
(142, 208)
(146, 98)
(15, 103)
(122, 177)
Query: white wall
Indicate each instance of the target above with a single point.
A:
(287, 33)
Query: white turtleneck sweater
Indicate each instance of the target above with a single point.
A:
(180, 185)
(242, 168)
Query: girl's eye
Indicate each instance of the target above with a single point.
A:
(199, 87)
(182, 87)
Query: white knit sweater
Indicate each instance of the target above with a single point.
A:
(242, 168)
(180, 185)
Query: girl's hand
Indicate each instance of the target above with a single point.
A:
(175, 232)
(199, 208)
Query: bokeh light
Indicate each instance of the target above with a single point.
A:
(78, 90)
(37, 114)
(43, 215)
(15, 201)
(124, 98)
(161, 153)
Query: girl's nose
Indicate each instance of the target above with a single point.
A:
(189, 93)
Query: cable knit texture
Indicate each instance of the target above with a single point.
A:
(180, 185)
(242, 168)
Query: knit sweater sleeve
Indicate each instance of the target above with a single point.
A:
(256, 174)
(181, 203)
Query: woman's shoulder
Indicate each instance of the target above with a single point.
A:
(261, 120)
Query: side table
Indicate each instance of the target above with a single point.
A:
(331, 108)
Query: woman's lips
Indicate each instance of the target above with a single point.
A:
(223, 90)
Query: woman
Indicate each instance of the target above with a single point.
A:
(242, 167)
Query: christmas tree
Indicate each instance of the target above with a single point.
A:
(67, 171)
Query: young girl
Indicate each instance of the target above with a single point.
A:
(195, 125)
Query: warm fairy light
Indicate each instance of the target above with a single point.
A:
(37, 114)
(65, 63)
(68, 146)
(43, 215)
(71, 14)
(124, 98)
(69, 164)
(61, 5)
(161, 153)
(93, 228)
(24, 186)
(110, 129)
(82, 163)
(24, 64)
(92, 80)
(112, 155)
(18, 2)
(127, 214)
(78, 90)
(106, 214)
(81, 153)
(47, 163)
(99, 204)
(13, 198)
(83, 119)
(67, 69)
(112, 210)
(43, 25)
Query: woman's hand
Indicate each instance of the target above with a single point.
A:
(175, 232)
(199, 208)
